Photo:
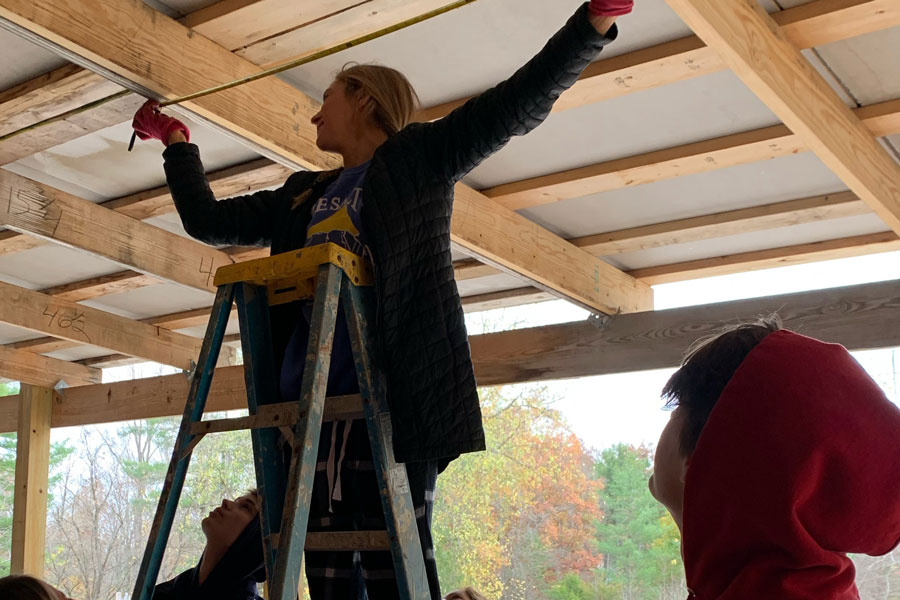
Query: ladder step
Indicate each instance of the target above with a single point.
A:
(336, 541)
(285, 414)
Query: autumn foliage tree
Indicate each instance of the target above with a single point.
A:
(513, 519)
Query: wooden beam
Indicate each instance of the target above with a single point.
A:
(56, 216)
(235, 24)
(690, 159)
(750, 42)
(357, 20)
(815, 24)
(50, 95)
(167, 59)
(504, 239)
(244, 178)
(860, 245)
(85, 325)
(505, 299)
(32, 368)
(732, 222)
(115, 283)
(860, 317)
(29, 526)
(73, 125)
(72, 28)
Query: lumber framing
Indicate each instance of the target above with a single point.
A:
(689, 159)
(859, 317)
(236, 24)
(164, 43)
(750, 42)
(82, 324)
(29, 526)
(784, 256)
(54, 215)
(35, 369)
(815, 24)
(50, 95)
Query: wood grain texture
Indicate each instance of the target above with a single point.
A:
(35, 369)
(690, 159)
(78, 323)
(860, 317)
(235, 24)
(817, 23)
(501, 237)
(31, 496)
(860, 245)
(49, 95)
(56, 216)
(361, 19)
(29, 141)
(141, 46)
(753, 46)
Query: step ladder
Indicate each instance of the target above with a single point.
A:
(330, 275)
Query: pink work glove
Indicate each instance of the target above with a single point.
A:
(610, 8)
(150, 124)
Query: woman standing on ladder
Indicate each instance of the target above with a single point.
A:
(392, 201)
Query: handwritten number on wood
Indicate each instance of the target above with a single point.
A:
(74, 321)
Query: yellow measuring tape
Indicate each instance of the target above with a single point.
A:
(315, 56)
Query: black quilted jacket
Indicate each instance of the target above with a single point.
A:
(407, 200)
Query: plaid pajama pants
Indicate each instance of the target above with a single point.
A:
(358, 575)
(345, 492)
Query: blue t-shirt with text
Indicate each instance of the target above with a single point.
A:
(336, 215)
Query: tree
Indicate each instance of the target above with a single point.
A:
(513, 519)
(638, 539)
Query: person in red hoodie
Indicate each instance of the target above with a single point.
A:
(781, 456)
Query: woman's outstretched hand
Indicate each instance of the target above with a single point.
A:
(151, 124)
(603, 13)
(610, 8)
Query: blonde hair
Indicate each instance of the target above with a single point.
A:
(464, 594)
(395, 101)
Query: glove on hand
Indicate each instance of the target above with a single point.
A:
(610, 8)
(150, 124)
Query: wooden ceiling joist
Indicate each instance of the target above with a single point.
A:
(164, 43)
(753, 46)
(78, 323)
(859, 317)
(32, 368)
(815, 24)
(690, 159)
(53, 93)
(236, 24)
(860, 245)
(56, 216)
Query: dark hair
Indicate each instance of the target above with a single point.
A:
(24, 587)
(706, 369)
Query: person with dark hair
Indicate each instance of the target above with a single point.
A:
(781, 456)
(232, 562)
(392, 202)
(26, 587)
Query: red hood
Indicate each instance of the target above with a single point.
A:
(798, 463)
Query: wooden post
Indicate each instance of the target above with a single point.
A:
(32, 475)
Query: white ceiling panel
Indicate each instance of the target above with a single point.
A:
(153, 301)
(23, 60)
(99, 167)
(760, 240)
(765, 182)
(448, 61)
(50, 265)
(689, 111)
(868, 65)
